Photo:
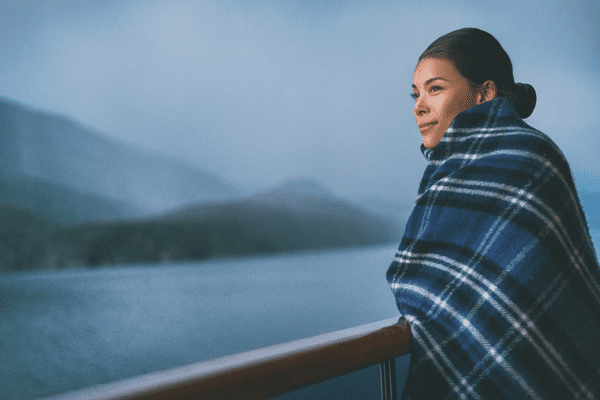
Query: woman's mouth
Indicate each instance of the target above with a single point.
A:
(427, 125)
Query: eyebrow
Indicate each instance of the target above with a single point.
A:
(428, 81)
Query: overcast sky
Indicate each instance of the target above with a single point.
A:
(261, 91)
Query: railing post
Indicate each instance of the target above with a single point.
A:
(388, 379)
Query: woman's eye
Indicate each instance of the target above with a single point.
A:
(435, 88)
(414, 96)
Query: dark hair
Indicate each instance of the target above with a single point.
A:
(479, 57)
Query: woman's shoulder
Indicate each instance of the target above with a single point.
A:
(523, 141)
(505, 135)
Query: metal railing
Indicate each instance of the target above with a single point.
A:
(270, 371)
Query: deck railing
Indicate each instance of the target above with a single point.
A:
(270, 371)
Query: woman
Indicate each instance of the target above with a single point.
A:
(496, 272)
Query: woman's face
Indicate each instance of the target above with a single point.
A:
(440, 93)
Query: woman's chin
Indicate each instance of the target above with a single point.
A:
(431, 136)
(430, 143)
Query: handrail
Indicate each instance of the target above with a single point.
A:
(269, 371)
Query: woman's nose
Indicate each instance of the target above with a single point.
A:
(420, 106)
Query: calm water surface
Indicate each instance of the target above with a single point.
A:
(61, 331)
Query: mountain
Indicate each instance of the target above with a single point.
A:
(296, 191)
(60, 204)
(51, 149)
(304, 199)
(396, 211)
(298, 215)
(22, 244)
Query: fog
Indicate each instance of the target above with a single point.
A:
(259, 92)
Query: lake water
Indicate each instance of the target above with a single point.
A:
(66, 330)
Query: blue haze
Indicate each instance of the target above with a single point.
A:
(260, 92)
(256, 92)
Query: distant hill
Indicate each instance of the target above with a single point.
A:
(287, 218)
(295, 201)
(71, 197)
(394, 210)
(46, 148)
(59, 203)
(22, 234)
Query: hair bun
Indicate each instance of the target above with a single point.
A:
(525, 99)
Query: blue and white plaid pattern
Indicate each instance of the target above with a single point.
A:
(496, 272)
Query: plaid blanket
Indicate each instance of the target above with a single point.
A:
(496, 272)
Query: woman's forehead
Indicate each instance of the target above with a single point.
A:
(429, 69)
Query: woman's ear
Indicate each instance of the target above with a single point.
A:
(487, 91)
